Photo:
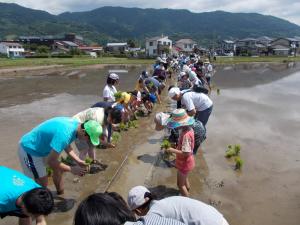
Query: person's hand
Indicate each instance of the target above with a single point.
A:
(79, 171)
(168, 150)
(111, 145)
(82, 163)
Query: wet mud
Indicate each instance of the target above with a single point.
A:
(257, 107)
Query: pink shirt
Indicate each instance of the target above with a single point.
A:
(186, 144)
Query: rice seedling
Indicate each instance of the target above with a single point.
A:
(88, 161)
(238, 163)
(132, 124)
(165, 144)
(116, 137)
(68, 160)
(118, 95)
(49, 171)
(232, 151)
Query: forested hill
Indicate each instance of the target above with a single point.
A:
(120, 24)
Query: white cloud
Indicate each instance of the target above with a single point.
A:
(288, 9)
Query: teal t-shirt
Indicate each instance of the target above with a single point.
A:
(56, 133)
(13, 185)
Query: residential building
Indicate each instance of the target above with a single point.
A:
(74, 38)
(39, 40)
(158, 45)
(285, 46)
(117, 47)
(250, 47)
(185, 45)
(11, 49)
(89, 49)
(226, 47)
(265, 40)
(49, 40)
(64, 46)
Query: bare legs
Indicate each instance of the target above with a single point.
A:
(183, 184)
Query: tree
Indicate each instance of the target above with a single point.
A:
(43, 49)
(131, 43)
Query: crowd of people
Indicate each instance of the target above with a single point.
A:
(27, 196)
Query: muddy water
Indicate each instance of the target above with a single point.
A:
(258, 108)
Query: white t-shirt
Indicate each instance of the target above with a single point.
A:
(109, 92)
(193, 100)
(187, 210)
(96, 114)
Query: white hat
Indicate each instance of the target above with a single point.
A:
(183, 73)
(174, 91)
(136, 197)
(113, 76)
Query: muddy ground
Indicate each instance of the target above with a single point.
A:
(258, 108)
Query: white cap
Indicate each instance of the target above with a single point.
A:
(174, 91)
(182, 74)
(136, 197)
(113, 76)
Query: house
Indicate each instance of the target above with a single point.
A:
(186, 45)
(265, 40)
(280, 45)
(64, 46)
(158, 46)
(11, 49)
(49, 40)
(74, 38)
(39, 40)
(116, 47)
(226, 47)
(250, 46)
(88, 49)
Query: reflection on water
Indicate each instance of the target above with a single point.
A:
(252, 74)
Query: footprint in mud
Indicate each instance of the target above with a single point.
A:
(214, 203)
(63, 205)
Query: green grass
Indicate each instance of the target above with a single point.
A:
(76, 61)
(86, 60)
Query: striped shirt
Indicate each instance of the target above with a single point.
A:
(155, 220)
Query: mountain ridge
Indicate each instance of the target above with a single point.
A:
(110, 23)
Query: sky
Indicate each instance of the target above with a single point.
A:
(285, 9)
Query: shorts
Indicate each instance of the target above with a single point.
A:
(17, 213)
(34, 167)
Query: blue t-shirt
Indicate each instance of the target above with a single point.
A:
(57, 134)
(13, 185)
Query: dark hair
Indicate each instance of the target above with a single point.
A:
(38, 201)
(115, 114)
(111, 81)
(147, 203)
(117, 197)
(102, 209)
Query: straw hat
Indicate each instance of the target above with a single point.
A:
(180, 118)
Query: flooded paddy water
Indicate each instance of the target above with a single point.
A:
(257, 107)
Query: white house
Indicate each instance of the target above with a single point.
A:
(186, 45)
(11, 49)
(158, 45)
